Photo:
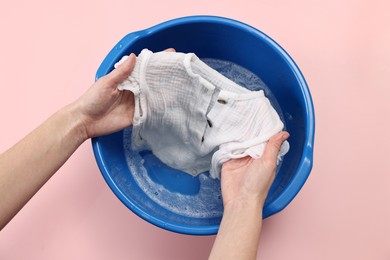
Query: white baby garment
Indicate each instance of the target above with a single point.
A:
(193, 118)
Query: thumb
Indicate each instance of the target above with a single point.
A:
(272, 148)
(119, 74)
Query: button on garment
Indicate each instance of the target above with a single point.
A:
(193, 118)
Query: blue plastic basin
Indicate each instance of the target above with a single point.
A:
(219, 38)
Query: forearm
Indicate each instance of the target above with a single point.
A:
(25, 167)
(239, 233)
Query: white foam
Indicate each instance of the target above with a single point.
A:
(206, 204)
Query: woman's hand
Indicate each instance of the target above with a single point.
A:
(245, 184)
(103, 109)
(246, 179)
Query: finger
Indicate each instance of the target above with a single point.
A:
(235, 163)
(119, 74)
(170, 50)
(272, 148)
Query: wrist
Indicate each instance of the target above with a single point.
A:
(76, 122)
(254, 205)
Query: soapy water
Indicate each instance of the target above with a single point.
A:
(206, 200)
(207, 203)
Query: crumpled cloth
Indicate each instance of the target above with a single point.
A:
(193, 118)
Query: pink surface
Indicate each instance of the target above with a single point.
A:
(49, 52)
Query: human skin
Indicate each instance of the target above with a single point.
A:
(245, 184)
(28, 165)
(103, 109)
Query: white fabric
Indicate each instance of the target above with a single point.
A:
(193, 118)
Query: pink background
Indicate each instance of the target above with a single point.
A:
(49, 53)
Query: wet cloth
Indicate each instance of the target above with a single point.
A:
(193, 118)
